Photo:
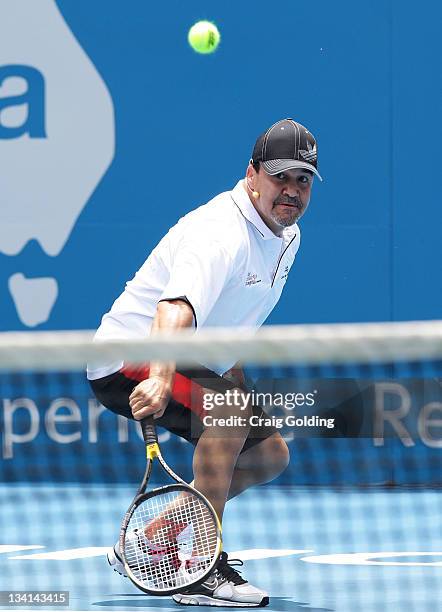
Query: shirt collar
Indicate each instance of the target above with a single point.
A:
(242, 200)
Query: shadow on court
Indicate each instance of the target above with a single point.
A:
(277, 604)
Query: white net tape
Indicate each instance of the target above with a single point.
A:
(313, 344)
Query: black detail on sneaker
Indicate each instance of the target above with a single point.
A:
(141, 544)
(183, 600)
(227, 569)
(207, 593)
(223, 572)
(264, 602)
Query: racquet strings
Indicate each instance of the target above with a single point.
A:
(171, 540)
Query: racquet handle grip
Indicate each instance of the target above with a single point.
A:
(149, 430)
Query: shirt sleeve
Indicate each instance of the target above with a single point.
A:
(200, 270)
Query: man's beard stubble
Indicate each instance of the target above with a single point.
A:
(286, 220)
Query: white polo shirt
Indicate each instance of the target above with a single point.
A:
(222, 258)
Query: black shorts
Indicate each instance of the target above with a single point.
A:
(185, 411)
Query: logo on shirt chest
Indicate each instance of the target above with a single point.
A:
(285, 273)
(252, 279)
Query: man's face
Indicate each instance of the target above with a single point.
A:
(283, 198)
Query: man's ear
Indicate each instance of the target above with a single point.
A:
(251, 172)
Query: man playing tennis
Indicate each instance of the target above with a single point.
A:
(222, 265)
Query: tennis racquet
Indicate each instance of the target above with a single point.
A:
(170, 537)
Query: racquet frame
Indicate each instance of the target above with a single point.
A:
(153, 452)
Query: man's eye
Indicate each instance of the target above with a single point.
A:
(304, 179)
(281, 176)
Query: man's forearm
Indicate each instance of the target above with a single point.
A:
(170, 315)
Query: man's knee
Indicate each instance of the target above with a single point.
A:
(272, 455)
(278, 453)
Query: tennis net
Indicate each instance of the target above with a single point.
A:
(355, 521)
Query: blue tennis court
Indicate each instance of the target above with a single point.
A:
(314, 548)
(114, 125)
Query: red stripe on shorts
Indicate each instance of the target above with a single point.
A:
(184, 391)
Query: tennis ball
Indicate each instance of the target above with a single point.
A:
(204, 37)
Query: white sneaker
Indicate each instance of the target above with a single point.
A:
(115, 561)
(224, 587)
(138, 546)
(135, 545)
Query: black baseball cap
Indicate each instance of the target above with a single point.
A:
(286, 145)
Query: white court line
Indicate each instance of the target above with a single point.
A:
(8, 548)
(265, 553)
(365, 558)
(97, 551)
(67, 555)
(370, 558)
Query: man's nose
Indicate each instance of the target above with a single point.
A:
(291, 190)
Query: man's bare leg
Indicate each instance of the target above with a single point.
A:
(216, 455)
(260, 464)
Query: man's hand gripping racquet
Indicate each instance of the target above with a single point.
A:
(170, 537)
